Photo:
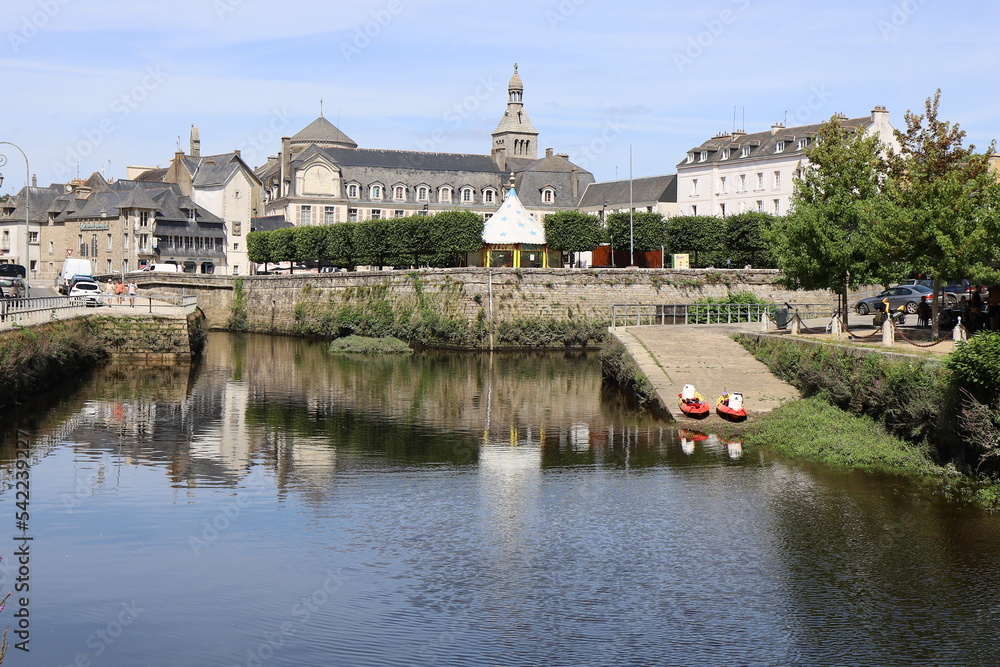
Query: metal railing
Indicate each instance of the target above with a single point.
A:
(28, 312)
(710, 313)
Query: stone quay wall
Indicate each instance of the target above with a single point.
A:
(469, 293)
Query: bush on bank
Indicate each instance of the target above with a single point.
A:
(941, 407)
(618, 366)
(31, 359)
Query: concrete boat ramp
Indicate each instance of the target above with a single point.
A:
(707, 357)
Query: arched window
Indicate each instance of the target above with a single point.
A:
(422, 193)
(466, 195)
(399, 193)
(548, 195)
(376, 192)
(352, 191)
(444, 195)
(489, 196)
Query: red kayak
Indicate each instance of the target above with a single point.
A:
(730, 406)
(692, 404)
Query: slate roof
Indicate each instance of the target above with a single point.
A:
(153, 175)
(269, 223)
(763, 144)
(322, 131)
(512, 224)
(616, 193)
(395, 159)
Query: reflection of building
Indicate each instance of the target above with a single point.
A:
(321, 176)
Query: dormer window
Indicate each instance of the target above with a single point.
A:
(399, 193)
(703, 156)
(376, 191)
(352, 191)
(803, 143)
(726, 152)
(422, 192)
(745, 152)
(466, 195)
(779, 146)
(444, 195)
(489, 196)
(690, 157)
(192, 215)
(548, 195)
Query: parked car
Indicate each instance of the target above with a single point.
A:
(88, 291)
(925, 282)
(955, 291)
(901, 295)
(13, 288)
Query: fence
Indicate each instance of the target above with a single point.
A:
(711, 313)
(27, 312)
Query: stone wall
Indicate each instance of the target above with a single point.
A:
(147, 338)
(467, 293)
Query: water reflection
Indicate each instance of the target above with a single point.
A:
(468, 510)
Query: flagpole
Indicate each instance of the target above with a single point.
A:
(631, 212)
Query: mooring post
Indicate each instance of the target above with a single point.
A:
(959, 333)
(888, 333)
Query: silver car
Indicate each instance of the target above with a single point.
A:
(901, 295)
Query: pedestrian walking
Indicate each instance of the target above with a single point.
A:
(132, 287)
(119, 291)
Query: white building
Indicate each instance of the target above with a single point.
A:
(739, 172)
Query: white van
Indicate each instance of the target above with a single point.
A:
(158, 268)
(73, 266)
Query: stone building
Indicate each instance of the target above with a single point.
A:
(224, 185)
(321, 176)
(118, 227)
(739, 172)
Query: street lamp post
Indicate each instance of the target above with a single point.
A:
(27, 200)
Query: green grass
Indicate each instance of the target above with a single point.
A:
(813, 430)
(368, 346)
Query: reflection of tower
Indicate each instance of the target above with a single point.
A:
(515, 136)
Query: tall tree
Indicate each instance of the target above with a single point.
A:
(827, 239)
(646, 231)
(745, 239)
(702, 236)
(572, 231)
(947, 202)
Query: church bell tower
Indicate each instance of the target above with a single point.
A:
(515, 136)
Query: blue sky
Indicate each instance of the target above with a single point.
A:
(116, 83)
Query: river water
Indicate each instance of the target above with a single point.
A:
(274, 505)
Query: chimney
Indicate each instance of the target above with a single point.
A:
(738, 133)
(195, 142)
(880, 112)
(286, 167)
(34, 180)
(238, 154)
(776, 127)
(548, 152)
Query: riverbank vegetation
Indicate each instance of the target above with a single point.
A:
(618, 366)
(368, 346)
(31, 359)
(947, 412)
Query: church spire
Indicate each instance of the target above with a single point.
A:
(515, 136)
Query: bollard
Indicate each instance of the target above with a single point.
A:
(888, 333)
(795, 325)
(763, 321)
(837, 327)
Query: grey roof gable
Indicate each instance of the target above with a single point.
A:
(395, 159)
(763, 144)
(646, 189)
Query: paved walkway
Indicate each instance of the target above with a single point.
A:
(705, 356)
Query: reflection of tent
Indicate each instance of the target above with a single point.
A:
(511, 237)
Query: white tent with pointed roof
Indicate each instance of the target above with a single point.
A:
(511, 237)
(512, 224)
